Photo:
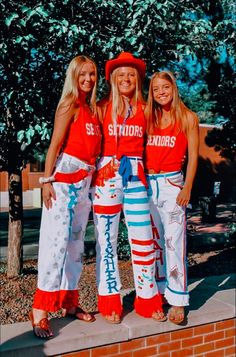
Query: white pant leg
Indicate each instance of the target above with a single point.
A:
(173, 219)
(137, 216)
(159, 246)
(78, 221)
(61, 245)
(107, 200)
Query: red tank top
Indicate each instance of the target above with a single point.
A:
(84, 137)
(127, 139)
(166, 149)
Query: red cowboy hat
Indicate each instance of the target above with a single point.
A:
(125, 59)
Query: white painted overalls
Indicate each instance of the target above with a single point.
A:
(169, 230)
(63, 226)
(166, 149)
(119, 185)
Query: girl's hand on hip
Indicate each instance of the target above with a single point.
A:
(183, 197)
(48, 194)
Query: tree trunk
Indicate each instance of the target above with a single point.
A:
(15, 230)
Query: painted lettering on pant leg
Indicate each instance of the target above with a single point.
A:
(109, 257)
(159, 251)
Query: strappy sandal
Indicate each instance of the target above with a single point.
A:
(159, 316)
(113, 318)
(80, 315)
(43, 325)
(176, 314)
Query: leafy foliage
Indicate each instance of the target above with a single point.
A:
(224, 140)
(39, 38)
(123, 246)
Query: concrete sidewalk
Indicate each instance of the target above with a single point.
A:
(211, 299)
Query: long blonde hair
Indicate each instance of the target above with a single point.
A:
(118, 104)
(178, 110)
(70, 92)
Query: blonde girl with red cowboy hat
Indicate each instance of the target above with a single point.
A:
(120, 184)
(172, 133)
(70, 163)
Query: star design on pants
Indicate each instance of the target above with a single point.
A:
(160, 204)
(168, 244)
(176, 216)
(175, 273)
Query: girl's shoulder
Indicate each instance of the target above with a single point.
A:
(192, 117)
(67, 107)
(102, 106)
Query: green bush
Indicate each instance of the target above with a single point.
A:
(123, 247)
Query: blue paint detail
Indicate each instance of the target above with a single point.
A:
(139, 224)
(177, 292)
(109, 256)
(99, 190)
(155, 176)
(136, 200)
(73, 195)
(161, 280)
(135, 189)
(138, 213)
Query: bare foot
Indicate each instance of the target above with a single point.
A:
(159, 316)
(113, 318)
(40, 323)
(79, 314)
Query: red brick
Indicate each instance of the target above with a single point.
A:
(173, 346)
(164, 354)
(215, 354)
(222, 325)
(105, 351)
(125, 354)
(214, 336)
(192, 341)
(177, 335)
(155, 340)
(204, 348)
(144, 352)
(227, 342)
(201, 330)
(231, 351)
(230, 332)
(132, 345)
(78, 354)
(183, 353)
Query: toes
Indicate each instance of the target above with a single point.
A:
(159, 316)
(42, 333)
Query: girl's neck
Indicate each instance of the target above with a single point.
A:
(128, 100)
(165, 119)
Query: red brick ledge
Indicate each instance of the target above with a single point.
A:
(211, 340)
(209, 328)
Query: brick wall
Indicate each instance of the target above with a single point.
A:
(212, 340)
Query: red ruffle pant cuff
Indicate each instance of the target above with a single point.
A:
(55, 300)
(146, 307)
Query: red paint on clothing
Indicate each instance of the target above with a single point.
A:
(107, 209)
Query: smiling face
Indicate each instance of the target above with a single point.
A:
(87, 78)
(162, 91)
(126, 81)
